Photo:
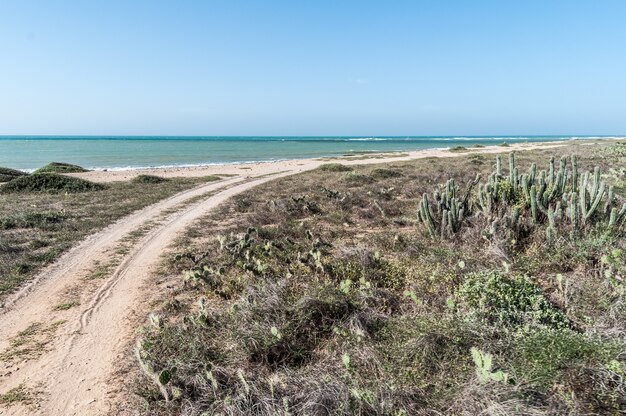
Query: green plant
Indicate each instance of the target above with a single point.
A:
(50, 183)
(7, 174)
(514, 302)
(458, 149)
(58, 167)
(450, 209)
(385, 173)
(334, 167)
(147, 179)
(543, 357)
(545, 197)
(484, 367)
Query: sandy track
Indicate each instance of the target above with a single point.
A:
(76, 351)
(72, 374)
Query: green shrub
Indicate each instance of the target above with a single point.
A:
(507, 301)
(458, 149)
(542, 357)
(148, 179)
(383, 173)
(358, 179)
(334, 167)
(58, 167)
(49, 182)
(7, 174)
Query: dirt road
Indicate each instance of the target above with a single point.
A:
(64, 357)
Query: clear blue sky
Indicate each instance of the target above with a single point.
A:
(313, 67)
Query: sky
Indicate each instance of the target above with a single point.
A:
(333, 67)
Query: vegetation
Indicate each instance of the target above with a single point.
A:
(458, 149)
(19, 394)
(7, 174)
(37, 226)
(58, 167)
(324, 294)
(148, 179)
(517, 202)
(334, 167)
(50, 183)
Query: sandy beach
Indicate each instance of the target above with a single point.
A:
(301, 165)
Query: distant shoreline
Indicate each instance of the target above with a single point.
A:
(273, 167)
(170, 152)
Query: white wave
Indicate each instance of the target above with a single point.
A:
(368, 139)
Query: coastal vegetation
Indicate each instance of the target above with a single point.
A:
(50, 183)
(458, 149)
(42, 215)
(148, 179)
(436, 286)
(7, 174)
(59, 167)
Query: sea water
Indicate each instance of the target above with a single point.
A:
(100, 152)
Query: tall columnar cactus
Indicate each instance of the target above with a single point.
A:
(553, 197)
(450, 210)
(574, 174)
(591, 193)
(551, 229)
(425, 215)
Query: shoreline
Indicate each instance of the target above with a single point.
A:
(270, 167)
(169, 156)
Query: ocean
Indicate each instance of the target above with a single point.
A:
(113, 153)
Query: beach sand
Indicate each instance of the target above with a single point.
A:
(300, 165)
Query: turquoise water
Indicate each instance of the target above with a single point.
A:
(27, 153)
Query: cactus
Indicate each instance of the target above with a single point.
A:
(591, 194)
(425, 215)
(533, 203)
(484, 367)
(574, 213)
(498, 165)
(551, 197)
(574, 174)
(450, 211)
(551, 229)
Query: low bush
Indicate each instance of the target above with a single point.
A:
(149, 179)
(49, 182)
(334, 167)
(384, 173)
(7, 174)
(58, 167)
(513, 302)
(458, 149)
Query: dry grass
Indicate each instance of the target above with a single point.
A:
(36, 228)
(318, 294)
